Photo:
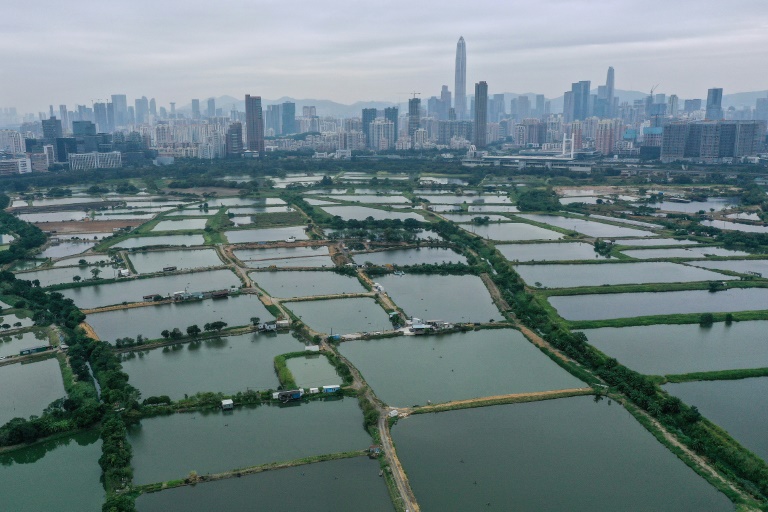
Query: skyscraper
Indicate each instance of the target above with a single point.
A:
(100, 115)
(391, 114)
(714, 105)
(610, 94)
(153, 107)
(369, 115)
(195, 109)
(460, 85)
(254, 124)
(234, 139)
(580, 99)
(288, 113)
(141, 110)
(481, 114)
(120, 109)
(211, 110)
(414, 116)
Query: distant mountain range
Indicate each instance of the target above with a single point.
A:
(332, 108)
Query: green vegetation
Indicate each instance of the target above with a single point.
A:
(537, 200)
(717, 375)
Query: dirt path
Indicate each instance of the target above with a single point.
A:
(495, 293)
(541, 342)
(89, 331)
(512, 398)
(398, 473)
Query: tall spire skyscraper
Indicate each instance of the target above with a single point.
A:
(609, 92)
(460, 88)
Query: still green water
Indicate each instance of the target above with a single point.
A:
(410, 370)
(573, 275)
(448, 298)
(29, 388)
(569, 454)
(341, 316)
(669, 349)
(133, 290)
(426, 255)
(335, 486)
(228, 364)
(150, 321)
(155, 261)
(627, 305)
(61, 475)
(739, 406)
(306, 283)
(313, 371)
(169, 447)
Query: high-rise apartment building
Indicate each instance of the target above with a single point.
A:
(481, 114)
(254, 124)
(690, 106)
(195, 109)
(714, 104)
(761, 109)
(234, 140)
(460, 84)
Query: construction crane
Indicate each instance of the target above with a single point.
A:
(653, 89)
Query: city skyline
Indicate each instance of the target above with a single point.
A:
(688, 50)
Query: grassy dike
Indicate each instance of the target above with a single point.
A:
(715, 375)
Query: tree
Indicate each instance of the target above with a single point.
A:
(176, 333)
(76, 279)
(255, 320)
(193, 330)
(165, 334)
(215, 326)
(706, 320)
(95, 272)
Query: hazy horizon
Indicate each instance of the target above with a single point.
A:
(350, 52)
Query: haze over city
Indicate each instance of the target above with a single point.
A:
(348, 51)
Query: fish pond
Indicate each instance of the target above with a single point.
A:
(313, 371)
(265, 235)
(628, 305)
(150, 321)
(248, 255)
(149, 241)
(587, 227)
(669, 349)
(154, 261)
(739, 406)
(341, 316)
(362, 213)
(48, 277)
(574, 275)
(513, 232)
(306, 283)
(527, 454)
(161, 445)
(456, 299)
(12, 344)
(29, 388)
(226, 364)
(682, 252)
(336, 485)
(400, 257)
(133, 290)
(180, 225)
(409, 370)
(62, 475)
(740, 266)
(566, 251)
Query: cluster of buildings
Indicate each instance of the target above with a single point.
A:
(591, 123)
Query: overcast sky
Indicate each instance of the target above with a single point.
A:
(354, 50)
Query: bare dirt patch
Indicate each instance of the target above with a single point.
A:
(88, 226)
